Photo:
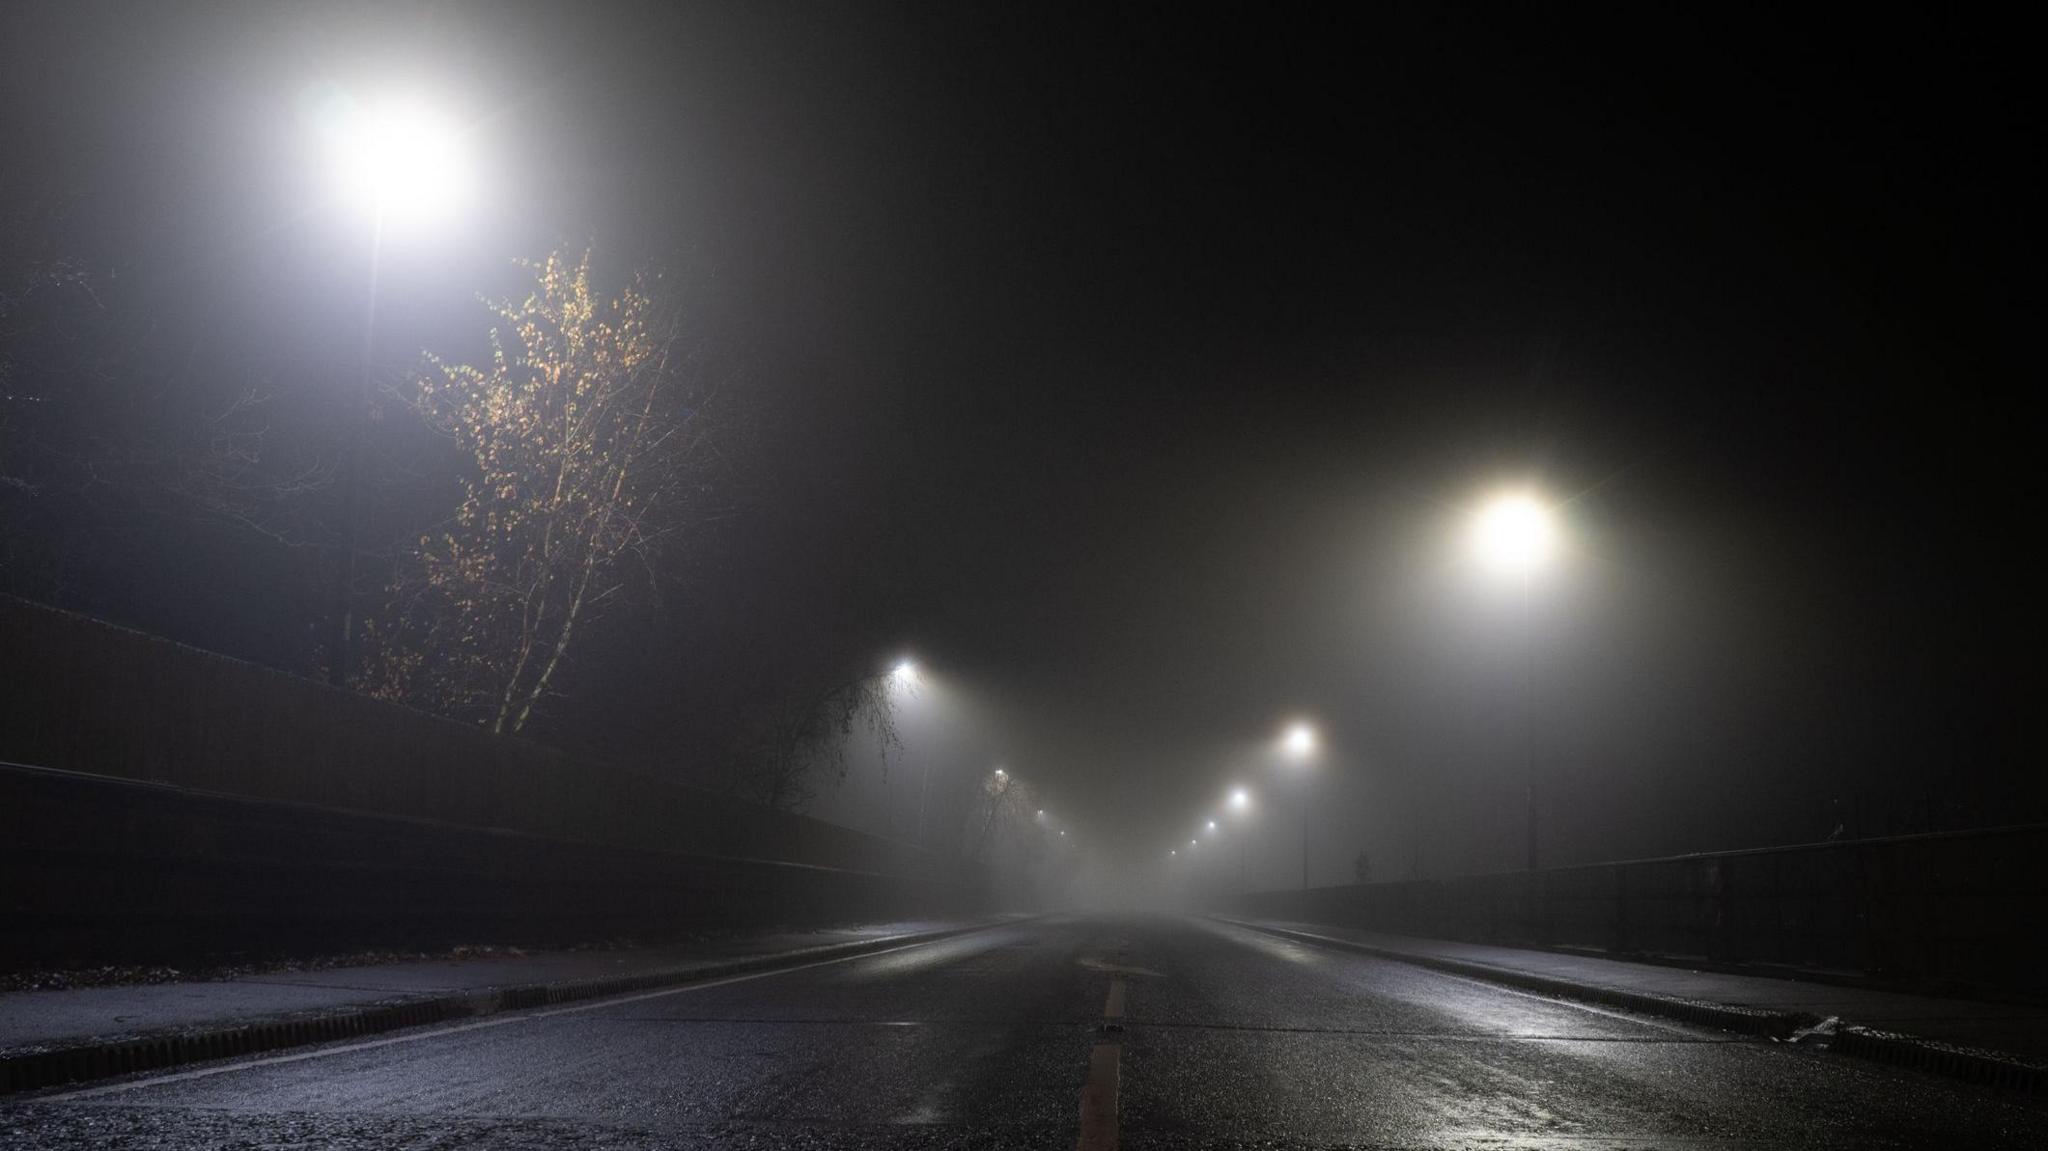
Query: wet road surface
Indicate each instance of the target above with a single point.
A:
(1138, 1032)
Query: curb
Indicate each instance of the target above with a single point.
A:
(1728, 1017)
(1949, 1060)
(33, 1068)
(1952, 1061)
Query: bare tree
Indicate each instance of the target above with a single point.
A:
(804, 737)
(586, 439)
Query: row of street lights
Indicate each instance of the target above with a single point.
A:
(1512, 535)
(905, 675)
(1297, 745)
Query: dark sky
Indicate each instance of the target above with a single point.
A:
(1134, 366)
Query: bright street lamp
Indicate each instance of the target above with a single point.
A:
(1514, 533)
(1212, 825)
(401, 161)
(1240, 799)
(1299, 742)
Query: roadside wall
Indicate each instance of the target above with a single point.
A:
(162, 804)
(1963, 910)
(98, 871)
(82, 695)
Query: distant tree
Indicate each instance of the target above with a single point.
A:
(803, 736)
(586, 442)
(1003, 808)
(1361, 867)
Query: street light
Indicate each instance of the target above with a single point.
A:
(1298, 743)
(1240, 799)
(1212, 825)
(401, 161)
(905, 671)
(1514, 534)
(397, 158)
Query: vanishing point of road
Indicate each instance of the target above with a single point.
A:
(1065, 1031)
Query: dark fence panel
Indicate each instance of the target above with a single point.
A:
(1959, 910)
(103, 871)
(79, 694)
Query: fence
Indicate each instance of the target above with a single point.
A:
(96, 871)
(79, 694)
(1963, 910)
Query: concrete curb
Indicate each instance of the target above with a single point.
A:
(32, 1068)
(1747, 1020)
(1949, 1060)
(1953, 1061)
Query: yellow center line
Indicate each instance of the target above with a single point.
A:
(1099, 1096)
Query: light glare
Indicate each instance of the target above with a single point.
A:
(1514, 533)
(399, 158)
(1299, 741)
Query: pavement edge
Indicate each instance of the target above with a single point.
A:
(1953, 1061)
(36, 1068)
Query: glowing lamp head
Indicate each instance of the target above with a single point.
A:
(1299, 741)
(1514, 533)
(905, 671)
(399, 158)
(1240, 799)
(1210, 826)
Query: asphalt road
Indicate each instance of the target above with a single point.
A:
(1157, 1032)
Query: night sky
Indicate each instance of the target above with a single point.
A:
(1135, 369)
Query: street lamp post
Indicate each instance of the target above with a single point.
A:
(1240, 801)
(1515, 536)
(1299, 745)
(397, 161)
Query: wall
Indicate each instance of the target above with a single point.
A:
(164, 804)
(79, 694)
(1958, 910)
(96, 871)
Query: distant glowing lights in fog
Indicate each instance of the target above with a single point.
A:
(905, 671)
(1211, 825)
(1514, 533)
(1240, 799)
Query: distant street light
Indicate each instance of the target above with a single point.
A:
(1515, 534)
(1241, 802)
(1212, 825)
(401, 161)
(1298, 743)
(905, 671)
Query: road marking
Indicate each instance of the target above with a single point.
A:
(1098, 1099)
(504, 1020)
(1114, 1009)
(1094, 964)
